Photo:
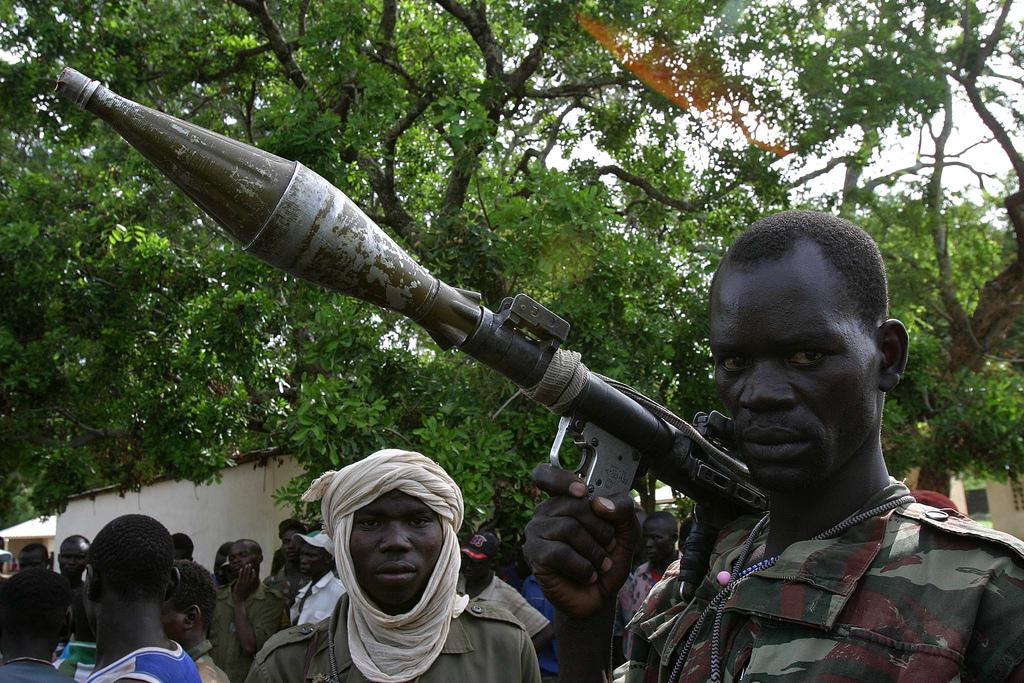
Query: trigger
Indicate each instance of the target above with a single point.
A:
(563, 426)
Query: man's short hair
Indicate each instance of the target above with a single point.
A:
(73, 538)
(34, 603)
(194, 588)
(183, 545)
(249, 541)
(38, 548)
(850, 250)
(133, 555)
(662, 517)
(290, 525)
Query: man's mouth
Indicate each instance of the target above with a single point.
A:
(772, 444)
(771, 436)
(395, 571)
(774, 452)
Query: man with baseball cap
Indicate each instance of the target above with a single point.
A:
(315, 600)
(481, 584)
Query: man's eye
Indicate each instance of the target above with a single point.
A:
(368, 523)
(806, 357)
(733, 363)
(420, 522)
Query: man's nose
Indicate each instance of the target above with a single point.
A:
(766, 387)
(394, 537)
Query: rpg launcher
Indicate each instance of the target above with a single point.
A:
(287, 215)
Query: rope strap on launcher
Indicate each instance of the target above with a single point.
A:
(563, 380)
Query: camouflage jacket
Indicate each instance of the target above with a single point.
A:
(916, 594)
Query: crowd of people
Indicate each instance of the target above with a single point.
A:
(134, 604)
(846, 577)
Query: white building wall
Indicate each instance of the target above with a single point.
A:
(1006, 507)
(240, 506)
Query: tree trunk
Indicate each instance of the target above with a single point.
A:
(648, 485)
(933, 478)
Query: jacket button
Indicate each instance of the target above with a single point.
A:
(937, 515)
(475, 609)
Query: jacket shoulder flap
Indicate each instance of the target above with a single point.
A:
(291, 636)
(492, 612)
(953, 522)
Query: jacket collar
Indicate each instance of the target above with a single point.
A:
(458, 641)
(316, 587)
(199, 650)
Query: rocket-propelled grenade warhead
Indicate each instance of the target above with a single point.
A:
(283, 213)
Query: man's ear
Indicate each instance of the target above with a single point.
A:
(894, 343)
(92, 582)
(192, 616)
(172, 584)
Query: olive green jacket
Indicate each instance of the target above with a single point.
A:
(485, 645)
(209, 672)
(266, 613)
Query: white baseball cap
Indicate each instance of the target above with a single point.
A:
(318, 539)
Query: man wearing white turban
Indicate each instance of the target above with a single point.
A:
(393, 518)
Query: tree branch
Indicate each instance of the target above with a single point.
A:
(555, 128)
(303, 9)
(889, 178)
(985, 50)
(90, 433)
(820, 172)
(238, 63)
(998, 132)
(282, 48)
(391, 63)
(475, 21)
(1000, 303)
(960, 328)
(552, 140)
(968, 148)
(578, 89)
(516, 81)
(969, 81)
(395, 215)
(388, 19)
(980, 175)
(250, 104)
(1015, 208)
(262, 453)
(406, 122)
(648, 189)
(382, 180)
(1005, 77)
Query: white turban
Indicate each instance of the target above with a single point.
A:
(384, 647)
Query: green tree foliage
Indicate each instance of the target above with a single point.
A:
(508, 151)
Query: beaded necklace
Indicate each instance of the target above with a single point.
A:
(730, 580)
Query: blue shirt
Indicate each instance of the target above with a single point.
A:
(548, 657)
(150, 664)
